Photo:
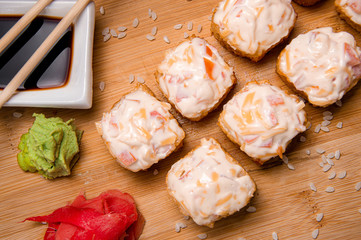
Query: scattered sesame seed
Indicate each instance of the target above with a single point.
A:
(210, 17)
(154, 31)
(328, 118)
(325, 129)
(339, 125)
(17, 114)
(285, 159)
(122, 29)
(308, 125)
(186, 217)
(339, 103)
(155, 172)
(359, 210)
(251, 209)
(320, 151)
(101, 10)
(154, 16)
(122, 35)
(321, 164)
(166, 39)
(290, 166)
(302, 139)
(107, 37)
(308, 152)
(329, 161)
(326, 167)
(319, 217)
(337, 155)
(332, 175)
(105, 31)
(190, 26)
(358, 186)
(317, 128)
(185, 35)
(330, 189)
(178, 26)
(150, 37)
(140, 79)
(331, 155)
(202, 236)
(113, 33)
(199, 28)
(324, 159)
(327, 113)
(135, 22)
(102, 86)
(342, 174)
(274, 236)
(315, 233)
(313, 187)
(149, 12)
(131, 78)
(325, 123)
(179, 226)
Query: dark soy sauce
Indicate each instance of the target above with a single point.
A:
(52, 71)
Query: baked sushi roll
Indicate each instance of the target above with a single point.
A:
(262, 119)
(208, 184)
(321, 65)
(350, 11)
(194, 78)
(139, 130)
(306, 3)
(252, 28)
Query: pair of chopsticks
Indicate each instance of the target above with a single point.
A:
(44, 47)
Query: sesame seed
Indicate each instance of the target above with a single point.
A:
(154, 16)
(186, 217)
(102, 86)
(290, 166)
(308, 125)
(327, 113)
(131, 78)
(325, 123)
(17, 114)
(122, 29)
(199, 28)
(359, 210)
(315, 233)
(319, 217)
(332, 175)
(210, 17)
(339, 103)
(324, 159)
(178, 26)
(337, 155)
(331, 155)
(251, 209)
(185, 35)
(342, 174)
(107, 37)
(166, 39)
(105, 31)
(326, 167)
(202, 236)
(320, 151)
(358, 186)
(190, 26)
(302, 139)
(321, 164)
(179, 226)
(140, 79)
(155, 172)
(150, 37)
(285, 159)
(339, 125)
(328, 118)
(317, 128)
(122, 35)
(149, 12)
(101, 10)
(274, 236)
(329, 161)
(330, 189)
(308, 152)
(154, 31)
(325, 129)
(135, 22)
(313, 187)
(113, 33)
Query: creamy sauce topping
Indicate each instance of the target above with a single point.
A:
(322, 64)
(208, 184)
(194, 77)
(263, 119)
(140, 131)
(352, 8)
(254, 26)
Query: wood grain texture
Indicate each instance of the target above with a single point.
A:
(284, 201)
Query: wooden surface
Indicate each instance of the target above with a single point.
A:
(284, 201)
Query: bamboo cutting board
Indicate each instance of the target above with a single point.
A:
(284, 201)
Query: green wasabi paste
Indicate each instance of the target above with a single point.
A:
(50, 147)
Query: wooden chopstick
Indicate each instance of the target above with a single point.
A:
(42, 50)
(22, 23)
